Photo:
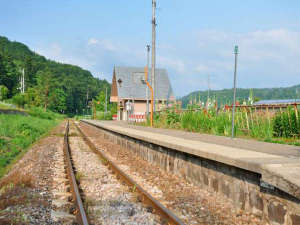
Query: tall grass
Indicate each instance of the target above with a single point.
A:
(248, 123)
(18, 132)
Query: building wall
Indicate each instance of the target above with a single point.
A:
(140, 107)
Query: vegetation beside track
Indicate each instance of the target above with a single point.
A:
(18, 132)
(281, 127)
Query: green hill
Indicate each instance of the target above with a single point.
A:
(49, 84)
(225, 96)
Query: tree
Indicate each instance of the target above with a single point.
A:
(3, 92)
(44, 85)
(100, 101)
(49, 84)
(58, 100)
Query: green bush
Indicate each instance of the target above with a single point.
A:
(19, 100)
(286, 124)
(172, 117)
(3, 92)
(104, 116)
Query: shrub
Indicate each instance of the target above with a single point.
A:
(104, 116)
(19, 100)
(172, 117)
(286, 124)
(3, 92)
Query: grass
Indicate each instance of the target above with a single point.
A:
(281, 127)
(18, 132)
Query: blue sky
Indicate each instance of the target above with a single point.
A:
(194, 38)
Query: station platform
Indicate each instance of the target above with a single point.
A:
(279, 165)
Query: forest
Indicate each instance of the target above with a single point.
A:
(59, 87)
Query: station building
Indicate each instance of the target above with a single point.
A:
(130, 91)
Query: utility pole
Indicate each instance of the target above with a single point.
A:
(22, 81)
(105, 100)
(147, 88)
(236, 52)
(153, 50)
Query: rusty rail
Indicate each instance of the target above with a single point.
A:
(80, 212)
(167, 216)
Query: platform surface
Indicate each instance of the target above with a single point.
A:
(278, 164)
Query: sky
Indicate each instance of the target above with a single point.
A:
(195, 39)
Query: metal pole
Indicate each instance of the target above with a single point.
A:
(236, 52)
(105, 100)
(147, 88)
(153, 50)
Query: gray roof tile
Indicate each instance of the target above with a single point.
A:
(133, 87)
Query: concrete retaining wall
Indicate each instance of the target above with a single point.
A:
(243, 187)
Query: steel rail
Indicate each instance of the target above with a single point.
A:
(80, 212)
(167, 216)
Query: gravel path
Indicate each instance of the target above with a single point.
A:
(191, 203)
(28, 193)
(106, 199)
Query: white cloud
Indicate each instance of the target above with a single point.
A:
(202, 68)
(105, 44)
(92, 41)
(175, 64)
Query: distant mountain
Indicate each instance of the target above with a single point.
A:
(225, 96)
(57, 86)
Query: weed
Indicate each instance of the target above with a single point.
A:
(78, 176)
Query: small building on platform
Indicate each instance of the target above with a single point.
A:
(276, 104)
(130, 92)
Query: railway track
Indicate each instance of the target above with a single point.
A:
(167, 217)
(76, 198)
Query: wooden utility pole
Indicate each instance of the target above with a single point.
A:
(153, 49)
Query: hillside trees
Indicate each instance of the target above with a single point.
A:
(225, 96)
(49, 84)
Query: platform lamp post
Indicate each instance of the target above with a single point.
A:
(236, 52)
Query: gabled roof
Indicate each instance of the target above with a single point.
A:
(132, 86)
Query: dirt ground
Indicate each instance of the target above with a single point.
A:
(25, 192)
